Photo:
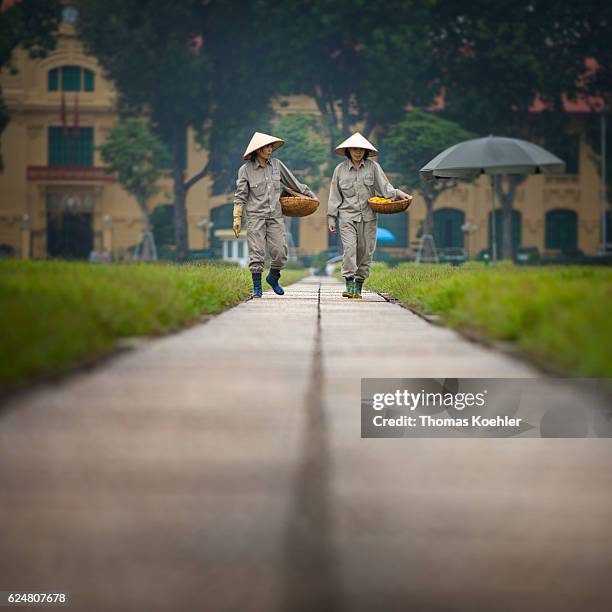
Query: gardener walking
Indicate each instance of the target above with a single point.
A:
(258, 190)
(354, 181)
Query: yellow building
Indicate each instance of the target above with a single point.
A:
(56, 200)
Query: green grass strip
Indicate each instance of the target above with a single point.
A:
(559, 316)
(56, 314)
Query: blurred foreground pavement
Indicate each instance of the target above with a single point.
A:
(221, 468)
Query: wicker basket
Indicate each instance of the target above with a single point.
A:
(390, 208)
(298, 206)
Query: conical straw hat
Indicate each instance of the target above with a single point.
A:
(261, 140)
(357, 141)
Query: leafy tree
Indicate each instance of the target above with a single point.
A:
(499, 58)
(243, 83)
(137, 155)
(155, 53)
(304, 151)
(411, 143)
(31, 24)
(362, 61)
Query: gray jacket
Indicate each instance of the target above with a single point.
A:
(258, 188)
(351, 189)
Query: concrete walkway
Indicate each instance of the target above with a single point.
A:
(221, 468)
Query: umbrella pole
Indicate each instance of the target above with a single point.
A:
(493, 236)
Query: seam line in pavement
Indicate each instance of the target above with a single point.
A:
(311, 580)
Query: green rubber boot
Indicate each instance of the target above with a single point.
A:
(357, 291)
(350, 288)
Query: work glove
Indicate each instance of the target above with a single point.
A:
(237, 225)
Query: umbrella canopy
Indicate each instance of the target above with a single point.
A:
(491, 155)
(384, 235)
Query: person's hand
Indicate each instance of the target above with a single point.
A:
(237, 227)
(332, 226)
(404, 196)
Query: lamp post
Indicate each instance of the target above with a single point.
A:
(25, 236)
(467, 229)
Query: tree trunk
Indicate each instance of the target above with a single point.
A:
(346, 119)
(326, 109)
(506, 199)
(368, 127)
(429, 198)
(180, 209)
(149, 252)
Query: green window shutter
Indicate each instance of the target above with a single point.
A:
(447, 227)
(71, 78)
(53, 147)
(561, 231)
(68, 149)
(89, 80)
(52, 80)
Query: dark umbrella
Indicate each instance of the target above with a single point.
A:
(491, 155)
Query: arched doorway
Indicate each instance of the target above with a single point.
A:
(561, 230)
(70, 222)
(447, 227)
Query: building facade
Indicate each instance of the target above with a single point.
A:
(57, 200)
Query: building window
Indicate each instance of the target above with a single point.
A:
(561, 230)
(69, 149)
(447, 227)
(70, 78)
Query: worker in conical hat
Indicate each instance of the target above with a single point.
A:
(354, 182)
(258, 191)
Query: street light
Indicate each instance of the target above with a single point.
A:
(467, 229)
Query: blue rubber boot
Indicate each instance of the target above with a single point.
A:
(272, 280)
(257, 292)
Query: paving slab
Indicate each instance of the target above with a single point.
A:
(221, 468)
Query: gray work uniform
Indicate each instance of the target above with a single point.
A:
(356, 222)
(258, 189)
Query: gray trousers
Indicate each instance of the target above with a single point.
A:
(266, 234)
(358, 245)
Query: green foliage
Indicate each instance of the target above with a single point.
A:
(59, 313)
(304, 151)
(416, 139)
(339, 52)
(156, 55)
(556, 315)
(33, 25)
(148, 50)
(245, 80)
(137, 155)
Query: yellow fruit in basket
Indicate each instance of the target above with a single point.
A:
(380, 200)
